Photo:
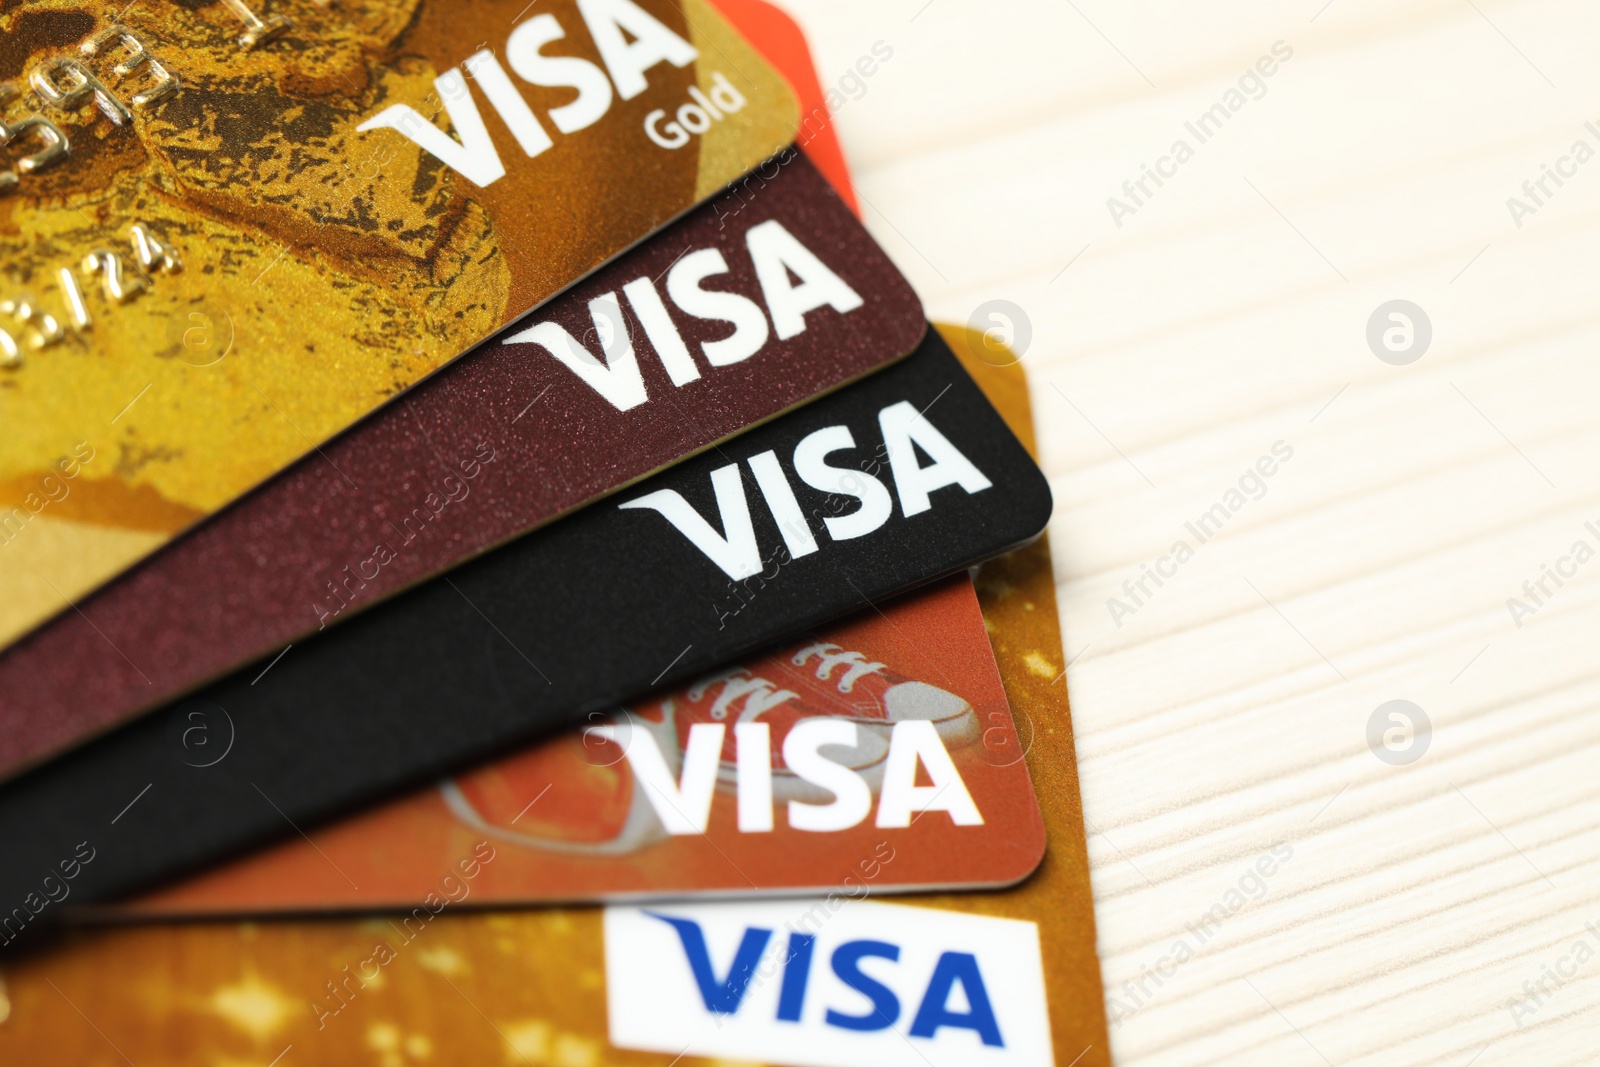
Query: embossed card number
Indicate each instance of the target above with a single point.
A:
(25, 325)
(66, 83)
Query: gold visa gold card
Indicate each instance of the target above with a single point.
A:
(230, 229)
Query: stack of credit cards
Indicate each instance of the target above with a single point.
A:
(469, 462)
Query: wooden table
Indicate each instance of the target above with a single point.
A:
(1417, 536)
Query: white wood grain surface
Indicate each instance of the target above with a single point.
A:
(1435, 912)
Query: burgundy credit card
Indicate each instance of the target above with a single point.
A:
(760, 300)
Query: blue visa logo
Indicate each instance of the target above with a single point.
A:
(827, 983)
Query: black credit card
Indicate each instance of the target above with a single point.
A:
(902, 478)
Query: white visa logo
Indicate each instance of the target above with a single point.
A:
(684, 806)
(736, 551)
(776, 255)
(827, 983)
(630, 41)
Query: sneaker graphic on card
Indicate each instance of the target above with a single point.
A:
(739, 695)
(574, 794)
(847, 683)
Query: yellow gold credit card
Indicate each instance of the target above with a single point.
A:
(230, 229)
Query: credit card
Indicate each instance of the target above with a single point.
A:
(233, 229)
(535, 986)
(905, 477)
(643, 803)
(625, 373)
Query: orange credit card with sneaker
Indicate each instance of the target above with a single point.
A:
(743, 782)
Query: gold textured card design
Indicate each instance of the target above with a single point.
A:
(446, 984)
(228, 231)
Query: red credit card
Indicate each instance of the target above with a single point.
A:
(720, 786)
(782, 42)
(759, 301)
